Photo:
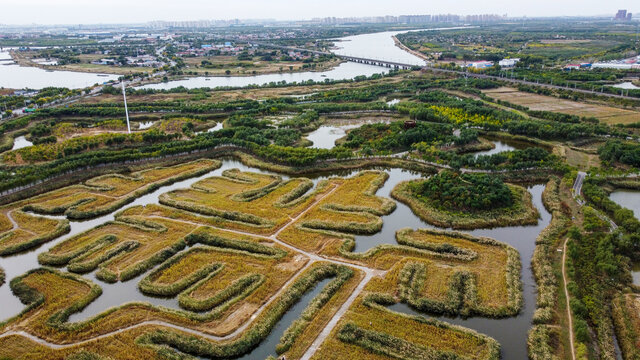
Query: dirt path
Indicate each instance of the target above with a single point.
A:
(566, 295)
(338, 315)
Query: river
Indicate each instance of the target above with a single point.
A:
(14, 76)
(379, 46)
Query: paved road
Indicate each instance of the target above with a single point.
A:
(577, 185)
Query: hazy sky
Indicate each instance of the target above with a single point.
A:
(127, 11)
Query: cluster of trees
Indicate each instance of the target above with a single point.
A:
(621, 152)
(531, 157)
(45, 95)
(394, 136)
(600, 265)
(450, 190)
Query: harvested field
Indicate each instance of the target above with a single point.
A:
(606, 114)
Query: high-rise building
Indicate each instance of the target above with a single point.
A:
(621, 15)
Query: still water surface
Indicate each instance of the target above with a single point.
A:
(14, 76)
(631, 200)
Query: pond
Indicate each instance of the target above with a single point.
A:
(325, 136)
(21, 142)
(626, 86)
(510, 332)
(145, 125)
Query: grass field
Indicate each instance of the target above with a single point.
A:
(71, 292)
(247, 198)
(247, 67)
(606, 114)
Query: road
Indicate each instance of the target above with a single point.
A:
(460, 73)
(577, 185)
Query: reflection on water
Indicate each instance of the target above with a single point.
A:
(635, 273)
(380, 46)
(628, 199)
(503, 146)
(626, 86)
(20, 142)
(268, 345)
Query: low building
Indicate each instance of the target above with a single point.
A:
(612, 65)
(508, 63)
(104, 62)
(481, 64)
(572, 67)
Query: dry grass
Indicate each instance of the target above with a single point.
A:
(29, 230)
(626, 315)
(143, 237)
(98, 196)
(581, 159)
(606, 114)
(432, 336)
(106, 193)
(250, 68)
(248, 198)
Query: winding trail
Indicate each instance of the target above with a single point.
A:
(566, 295)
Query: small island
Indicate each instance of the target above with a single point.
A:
(467, 201)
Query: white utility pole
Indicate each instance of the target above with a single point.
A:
(126, 111)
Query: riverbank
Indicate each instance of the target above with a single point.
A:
(410, 51)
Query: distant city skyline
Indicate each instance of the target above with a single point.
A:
(47, 12)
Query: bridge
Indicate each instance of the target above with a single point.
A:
(362, 60)
(428, 67)
(384, 63)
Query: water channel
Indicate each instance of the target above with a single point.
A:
(510, 332)
(631, 200)
(344, 71)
